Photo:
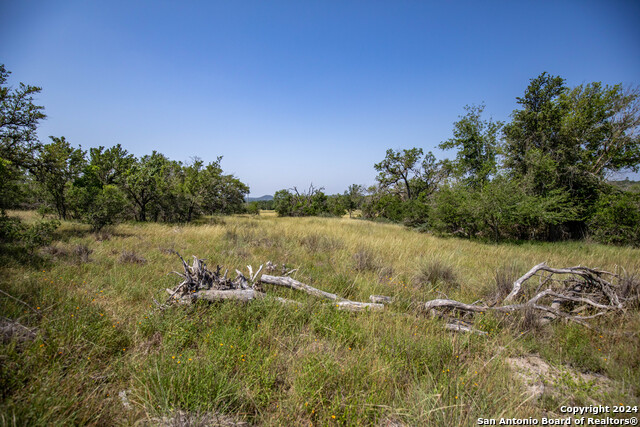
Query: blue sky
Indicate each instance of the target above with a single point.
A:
(294, 92)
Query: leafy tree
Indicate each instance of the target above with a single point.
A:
(537, 125)
(141, 182)
(455, 210)
(398, 169)
(569, 140)
(96, 195)
(617, 218)
(283, 203)
(109, 166)
(222, 193)
(296, 203)
(353, 198)
(253, 208)
(337, 204)
(57, 166)
(19, 118)
(477, 143)
(407, 174)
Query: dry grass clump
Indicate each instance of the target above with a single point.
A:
(14, 330)
(103, 235)
(81, 253)
(364, 260)
(630, 289)
(265, 363)
(130, 257)
(436, 273)
(504, 277)
(318, 243)
(55, 252)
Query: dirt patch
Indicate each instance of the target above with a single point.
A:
(540, 377)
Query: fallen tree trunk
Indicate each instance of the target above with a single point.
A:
(288, 282)
(583, 285)
(588, 287)
(217, 295)
(202, 284)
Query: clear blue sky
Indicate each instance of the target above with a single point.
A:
(294, 92)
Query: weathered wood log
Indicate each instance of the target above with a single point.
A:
(358, 306)
(584, 286)
(380, 299)
(517, 285)
(463, 328)
(288, 282)
(217, 295)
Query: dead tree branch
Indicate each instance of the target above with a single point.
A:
(576, 294)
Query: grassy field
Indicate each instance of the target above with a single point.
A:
(101, 353)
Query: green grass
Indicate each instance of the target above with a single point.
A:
(99, 333)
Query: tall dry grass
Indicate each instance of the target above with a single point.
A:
(99, 333)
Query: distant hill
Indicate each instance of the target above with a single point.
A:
(264, 198)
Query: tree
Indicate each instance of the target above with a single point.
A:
(617, 218)
(602, 127)
(569, 140)
(56, 167)
(353, 198)
(295, 203)
(283, 203)
(537, 125)
(109, 166)
(141, 182)
(222, 193)
(398, 168)
(477, 144)
(19, 118)
(96, 196)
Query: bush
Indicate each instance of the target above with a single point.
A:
(13, 231)
(10, 228)
(617, 219)
(106, 209)
(40, 234)
(253, 208)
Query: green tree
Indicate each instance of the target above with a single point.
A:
(568, 141)
(19, 119)
(537, 125)
(141, 182)
(222, 193)
(283, 203)
(477, 143)
(56, 167)
(97, 197)
(617, 218)
(398, 169)
(253, 208)
(353, 198)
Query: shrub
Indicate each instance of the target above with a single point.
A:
(253, 208)
(39, 234)
(436, 272)
(106, 209)
(131, 258)
(617, 219)
(364, 260)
